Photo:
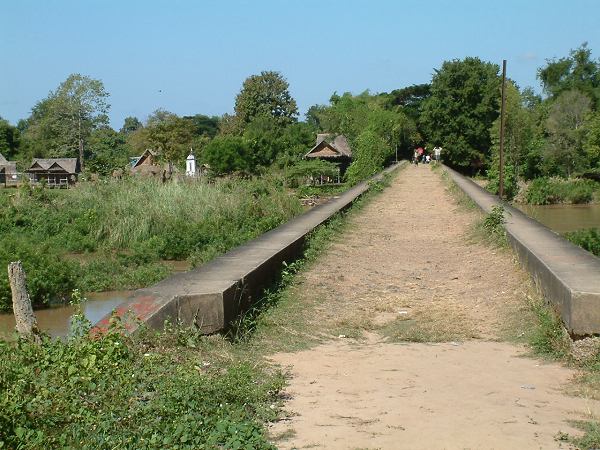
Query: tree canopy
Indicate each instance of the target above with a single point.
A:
(61, 124)
(463, 105)
(266, 96)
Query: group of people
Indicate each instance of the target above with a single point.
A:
(421, 155)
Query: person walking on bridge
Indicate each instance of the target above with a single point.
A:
(416, 157)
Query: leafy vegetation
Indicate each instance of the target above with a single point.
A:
(460, 111)
(127, 228)
(150, 392)
(545, 191)
(588, 239)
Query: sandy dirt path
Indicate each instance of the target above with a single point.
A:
(430, 369)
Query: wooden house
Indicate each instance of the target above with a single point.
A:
(332, 148)
(146, 164)
(8, 172)
(56, 172)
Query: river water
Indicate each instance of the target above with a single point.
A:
(563, 218)
(56, 321)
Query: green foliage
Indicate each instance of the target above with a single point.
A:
(510, 180)
(61, 124)
(547, 191)
(370, 152)
(166, 133)
(130, 124)
(129, 226)
(549, 338)
(410, 98)
(310, 169)
(588, 239)
(107, 151)
(110, 391)
(566, 132)
(226, 154)
(494, 221)
(591, 141)
(577, 71)
(460, 111)
(266, 96)
(9, 139)
(48, 277)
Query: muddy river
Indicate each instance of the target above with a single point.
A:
(563, 218)
(56, 320)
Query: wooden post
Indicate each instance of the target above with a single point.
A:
(502, 120)
(27, 326)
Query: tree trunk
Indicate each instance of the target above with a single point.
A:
(27, 326)
(80, 144)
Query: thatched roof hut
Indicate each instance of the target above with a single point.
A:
(8, 172)
(57, 172)
(330, 147)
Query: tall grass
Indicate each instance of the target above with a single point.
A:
(129, 226)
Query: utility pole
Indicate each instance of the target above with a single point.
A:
(502, 119)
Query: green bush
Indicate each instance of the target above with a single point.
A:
(370, 152)
(588, 239)
(547, 191)
(510, 181)
(110, 391)
(49, 278)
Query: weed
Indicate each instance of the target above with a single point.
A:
(588, 239)
(549, 338)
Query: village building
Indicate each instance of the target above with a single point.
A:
(55, 172)
(8, 172)
(146, 164)
(332, 148)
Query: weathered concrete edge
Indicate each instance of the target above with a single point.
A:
(567, 276)
(213, 295)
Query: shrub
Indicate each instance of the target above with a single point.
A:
(49, 277)
(369, 156)
(110, 391)
(546, 191)
(510, 181)
(588, 239)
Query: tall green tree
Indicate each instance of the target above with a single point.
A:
(266, 95)
(168, 134)
(577, 71)
(565, 126)
(108, 151)
(9, 139)
(61, 124)
(130, 124)
(461, 109)
(227, 154)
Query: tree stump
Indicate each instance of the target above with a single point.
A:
(27, 326)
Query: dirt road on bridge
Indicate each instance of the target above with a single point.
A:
(423, 321)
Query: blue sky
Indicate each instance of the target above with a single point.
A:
(192, 56)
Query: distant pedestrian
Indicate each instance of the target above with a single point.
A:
(416, 157)
(427, 159)
(437, 152)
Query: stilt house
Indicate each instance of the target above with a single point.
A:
(56, 172)
(8, 172)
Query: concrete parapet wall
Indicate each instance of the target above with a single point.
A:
(567, 276)
(214, 294)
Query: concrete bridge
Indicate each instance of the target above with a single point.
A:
(210, 297)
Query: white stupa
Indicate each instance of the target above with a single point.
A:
(190, 165)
